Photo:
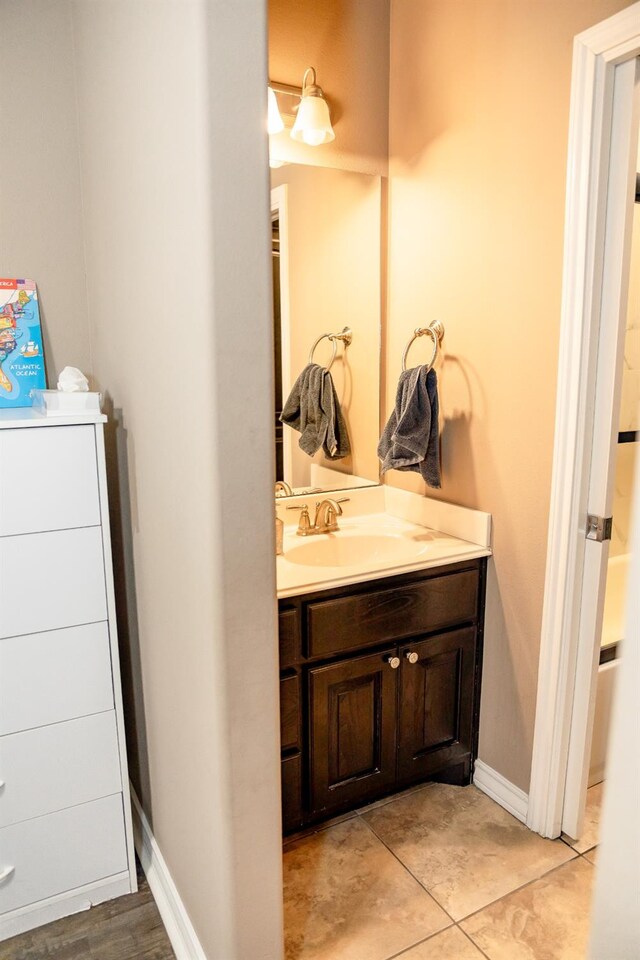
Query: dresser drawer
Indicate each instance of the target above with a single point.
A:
(378, 616)
(51, 580)
(62, 851)
(48, 479)
(54, 676)
(58, 766)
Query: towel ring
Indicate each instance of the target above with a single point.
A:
(435, 331)
(346, 336)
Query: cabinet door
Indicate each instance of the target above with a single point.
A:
(291, 774)
(352, 730)
(436, 703)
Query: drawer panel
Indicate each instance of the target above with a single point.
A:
(48, 479)
(54, 676)
(51, 580)
(62, 851)
(379, 616)
(289, 634)
(289, 713)
(62, 765)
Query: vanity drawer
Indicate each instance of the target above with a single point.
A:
(289, 633)
(62, 765)
(289, 712)
(62, 851)
(378, 616)
(49, 479)
(51, 580)
(54, 676)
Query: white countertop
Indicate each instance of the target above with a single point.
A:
(381, 538)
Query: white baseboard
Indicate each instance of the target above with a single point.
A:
(183, 937)
(512, 798)
(63, 905)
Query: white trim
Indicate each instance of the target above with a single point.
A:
(512, 798)
(620, 190)
(65, 904)
(175, 918)
(596, 54)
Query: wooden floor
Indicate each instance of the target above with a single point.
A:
(128, 928)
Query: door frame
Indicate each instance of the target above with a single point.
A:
(563, 700)
(280, 209)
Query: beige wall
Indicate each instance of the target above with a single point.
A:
(347, 41)
(333, 255)
(479, 109)
(179, 304)
(40, 205)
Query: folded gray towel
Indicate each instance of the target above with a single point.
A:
(313, 409)
(410, 439)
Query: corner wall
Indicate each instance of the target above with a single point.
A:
(40, 206)
(179, 306)
(479, 112)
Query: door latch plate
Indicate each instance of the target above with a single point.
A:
(599, 528)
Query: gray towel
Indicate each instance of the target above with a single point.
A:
(313, 409)
(410, 439)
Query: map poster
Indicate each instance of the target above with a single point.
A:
(21, 354)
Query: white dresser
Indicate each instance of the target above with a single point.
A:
(65, 821)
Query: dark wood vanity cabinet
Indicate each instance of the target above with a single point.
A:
(380, 688)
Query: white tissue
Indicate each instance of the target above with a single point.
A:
(72, 380)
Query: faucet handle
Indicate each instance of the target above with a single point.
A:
(305, 523)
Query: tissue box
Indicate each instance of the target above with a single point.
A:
(54, 403)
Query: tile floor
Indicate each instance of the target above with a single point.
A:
(438, 873)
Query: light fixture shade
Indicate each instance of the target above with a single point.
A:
(275, 123)
(313, 122)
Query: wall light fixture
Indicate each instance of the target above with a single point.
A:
(304, 107)
(275, 123)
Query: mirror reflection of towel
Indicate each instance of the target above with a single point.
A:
(410, 439)
(313, 409)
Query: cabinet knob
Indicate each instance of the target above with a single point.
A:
(6, 873)
(412, 656)
(394, 662)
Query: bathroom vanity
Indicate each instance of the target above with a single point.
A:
(380, 674)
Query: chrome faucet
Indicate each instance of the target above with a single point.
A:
(326, 518)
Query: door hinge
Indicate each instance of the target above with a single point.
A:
(599, 528)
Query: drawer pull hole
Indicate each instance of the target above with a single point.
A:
(6, 873)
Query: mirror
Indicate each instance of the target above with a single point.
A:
(326, 277)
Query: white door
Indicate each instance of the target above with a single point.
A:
(617, 221)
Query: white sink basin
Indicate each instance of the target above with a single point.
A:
(367, 546)
(345, 549)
